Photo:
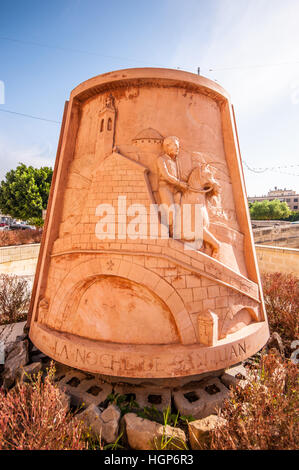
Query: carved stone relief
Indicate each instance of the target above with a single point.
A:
(142, 142)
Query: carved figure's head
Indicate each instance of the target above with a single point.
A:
(202, 177)
(171, 146)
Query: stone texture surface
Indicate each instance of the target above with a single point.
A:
(91, 417)
(143, 434)
(83, 387)
(104, 425)
(17, 356)
(277, 235)
(200, 430)
(235, 376)
(20, 260)
(147, 395)
(166, 382)
(110, 419)
(9, 333)
(275, 259)
(26, 372)
(135, 305)
(200, 399)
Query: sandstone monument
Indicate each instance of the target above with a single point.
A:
(147, 266)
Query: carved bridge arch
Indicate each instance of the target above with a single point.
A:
(84, 274)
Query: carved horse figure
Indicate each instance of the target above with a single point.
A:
(201, 186)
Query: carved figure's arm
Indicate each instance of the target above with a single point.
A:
(169, 177)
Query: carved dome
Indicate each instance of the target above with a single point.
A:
(148, 134)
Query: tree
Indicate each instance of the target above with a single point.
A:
(269, 210)
(24, 193)
(293, 217)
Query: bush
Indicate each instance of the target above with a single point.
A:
(269, 210)
(281, 293)
(264, 414)
(293, 217)
(35, 416)
(14, 299)
(19, 237)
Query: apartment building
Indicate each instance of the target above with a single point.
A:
(284, 195)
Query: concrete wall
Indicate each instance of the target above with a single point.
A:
(279, 235)
(19, 259)
(273, 258)
(268, 223)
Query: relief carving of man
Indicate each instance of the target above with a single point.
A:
(171, 186)
(173, 191)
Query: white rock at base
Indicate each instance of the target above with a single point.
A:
(200, 431)
(17, 358)
(230, 377)
(110, 418)
(144, 434)
(105, 424)
(9, 333)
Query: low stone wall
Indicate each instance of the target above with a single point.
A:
(19, 259)
(278, 259)
(285, 235)
(268, 223)
(22, 259)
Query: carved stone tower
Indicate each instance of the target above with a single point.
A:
(106, 129)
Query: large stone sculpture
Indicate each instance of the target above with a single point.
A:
(122, 287)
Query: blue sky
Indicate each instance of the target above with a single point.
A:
(250, 45)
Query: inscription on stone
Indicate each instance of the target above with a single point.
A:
(80, 356)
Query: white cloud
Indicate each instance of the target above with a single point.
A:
(246, 33)
(11, 154)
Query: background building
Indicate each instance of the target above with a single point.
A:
(284, 195)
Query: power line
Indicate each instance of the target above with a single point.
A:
(278, 169)
(250, 168)
(254, 170)
(269, 168)
(80, 51)
(141, 61)
(286, 172)
(29, 116)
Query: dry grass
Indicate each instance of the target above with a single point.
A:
(281, 293)
(264, 414)
(14, 299)
(35, 416)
